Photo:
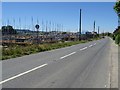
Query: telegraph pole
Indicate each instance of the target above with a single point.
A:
(32, 23)
(8, 31)
(98, 30)
(8, 22)
(14, 23)
(80, 26)
(14, 34)
(46, 34)
(94, 27)
(20, 23)
(25, 23)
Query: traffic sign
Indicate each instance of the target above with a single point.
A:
(37, 26)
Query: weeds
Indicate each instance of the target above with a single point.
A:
(17, 51)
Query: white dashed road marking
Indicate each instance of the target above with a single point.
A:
(90, 45)
(94, 43)
(83, 48)
(68, 55)
(21, 74)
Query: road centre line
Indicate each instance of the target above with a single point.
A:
(94, 43)
(67, 55)
(90, 45)
(83, 48)
(21, 74)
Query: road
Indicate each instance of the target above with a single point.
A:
(79, 66)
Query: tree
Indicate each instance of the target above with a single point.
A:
(64, 32)
(8, 30)
(117, 8)
(116, 33)
(117, 39)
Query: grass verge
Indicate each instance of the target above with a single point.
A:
(18, 51)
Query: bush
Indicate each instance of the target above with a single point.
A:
(17, 51)
(113, 37)
(117, 39)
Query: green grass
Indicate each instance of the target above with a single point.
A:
(18, 51)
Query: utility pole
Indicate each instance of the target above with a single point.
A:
(32, 23)
(14, 23)
(103, 33)
(20, 23)
(46, 36)
(80, 26)
(25, 23)
(14, 28)
(94, 27)
(8, 22)
(42, 26)
(46, 26)
(42, 29)
(8, 31)
(50, 27)
(98, 30)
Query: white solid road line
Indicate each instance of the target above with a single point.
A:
(83, 48)
(68, 55)
(21, 74)
(90, 45)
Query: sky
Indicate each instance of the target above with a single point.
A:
(65, 14)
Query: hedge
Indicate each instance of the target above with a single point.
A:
(117, 39)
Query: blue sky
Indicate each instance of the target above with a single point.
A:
(65, 13)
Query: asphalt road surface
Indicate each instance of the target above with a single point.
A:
(79, 66)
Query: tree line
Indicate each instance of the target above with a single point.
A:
(116, 33)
